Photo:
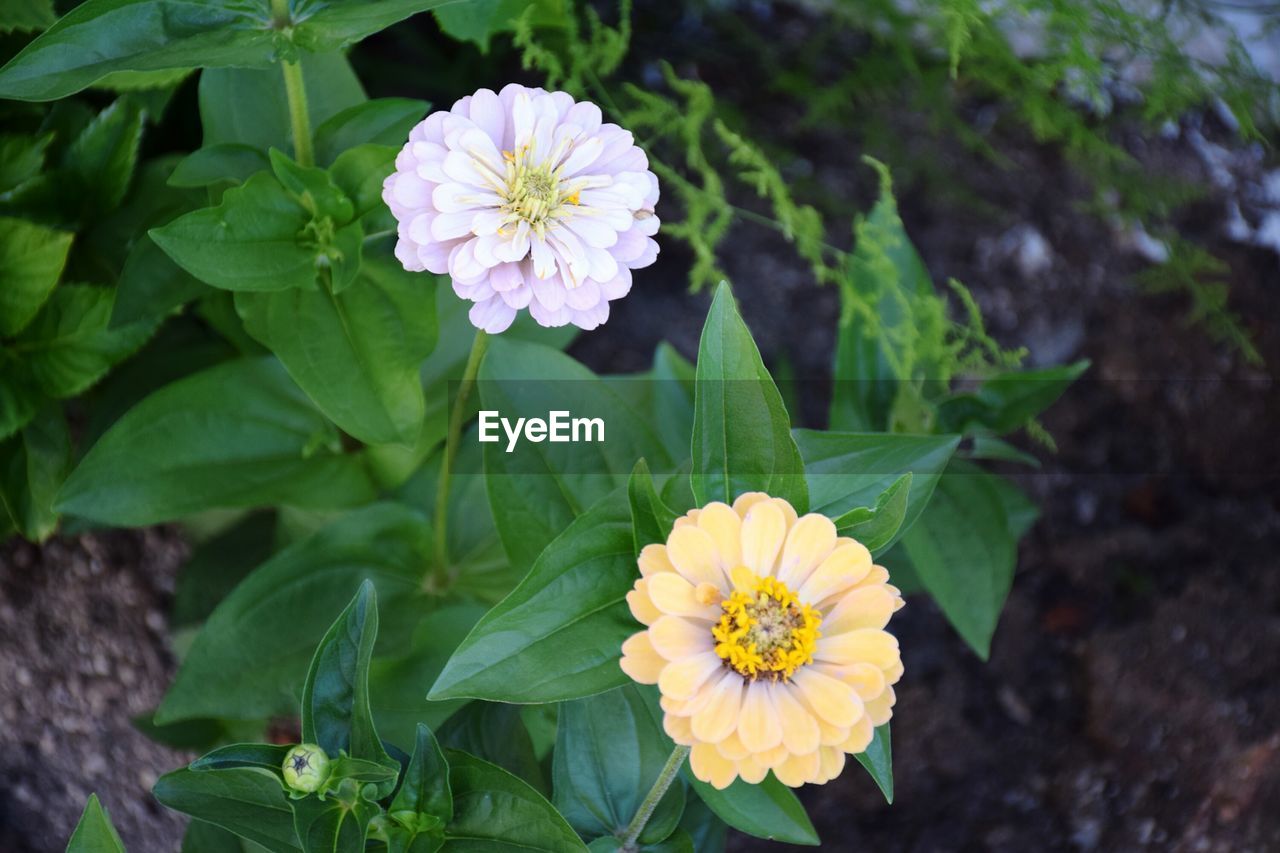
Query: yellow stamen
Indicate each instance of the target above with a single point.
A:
(765, 629)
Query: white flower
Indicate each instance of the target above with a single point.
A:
(527, 200)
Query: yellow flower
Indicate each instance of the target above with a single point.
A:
(766, 639)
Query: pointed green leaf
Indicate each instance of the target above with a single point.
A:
(741, 430)
(651, 519)
(32, 468)
(878, 760)
(247, 801)
(335, 698)
(31, 262)
(265, 756)
(94, 833)
(495, 731)
(236, 435)
(382, 121)
(494, 811)
(223, 161)
(356, 353)
(559, 634)
(877, 526)
(425, 789)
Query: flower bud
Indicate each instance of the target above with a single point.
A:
(306, 767)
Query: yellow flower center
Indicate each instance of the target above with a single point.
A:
(766, 631)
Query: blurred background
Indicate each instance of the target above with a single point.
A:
(1102, 176)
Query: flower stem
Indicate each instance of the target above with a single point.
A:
(296, 91)
(451, 443)
(668, 775)
(299, 118)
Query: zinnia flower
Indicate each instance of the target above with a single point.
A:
(527, 200)
(766, 639)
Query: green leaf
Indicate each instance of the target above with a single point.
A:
(480, 20)
(610, 749)
(741, 431)
(21, 156)
(24, 16)
(963, 553)
(151, 285)
(1007, 401)
(104, 36)
(236, 435)
(249, 106)
(219, 564)
(202, 837)
(538, 489)
(496, 732)
(559, 634)
(425, 789)
(651, 519)
(878, 760)
(249, 659)
(399, 684)
(356, 353)
(707, 832)
(31, 262)
(94, 833)
(339, 822)
(249, 802)
(360, 172)
(1019, 510)
(850, 470)
(18, 403)
(312, 187)
(68, 346)
(101, 161)
(223, 161)
(494, 811)
(877, 526)
(253, 240)
(767, 810)
(384, 121)
(266, 756)
(335, 698)
(32, 468)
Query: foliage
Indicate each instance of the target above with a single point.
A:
(225, 339)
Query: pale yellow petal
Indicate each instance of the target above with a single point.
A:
(747, 500)
(752, 771)
(678, 728)
(718, 718)
(677, 638)
(832, 735)
(763, 532)
(654, 559)
(642, 607)
(693, 553)
(671, 593)
(800, 733)
(867, 680)
(808, 543)
(859, 738)
(772, 757)
(878, 576)
(893, 674)
(880, 709)
(829, 698)
(861, 607)
(865, 645)
(841, 569)
(711, 767)
(681, 680)
(724, 526)
(798, 769)
(731, 748)
(788, 511)
(758, 723)
(690, 517)
(831, 762)
(640, 660)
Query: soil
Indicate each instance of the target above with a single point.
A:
(1132, 699)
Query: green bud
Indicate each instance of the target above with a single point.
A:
(306, 768)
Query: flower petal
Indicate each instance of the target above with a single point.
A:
(677, 638)
(763, 531)
(808, 543)
(681, 680)
(693, 553)
(718, 718)
(711, 767)
(758, 724)
(832, 700)
(640, 661)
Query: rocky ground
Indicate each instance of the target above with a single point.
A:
(1132, 698)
